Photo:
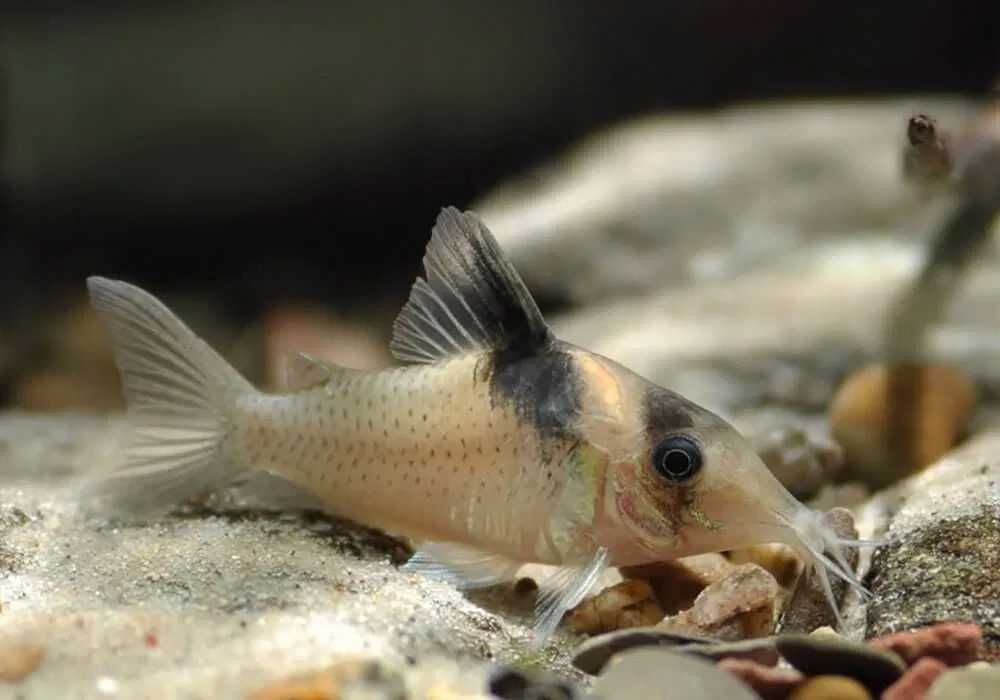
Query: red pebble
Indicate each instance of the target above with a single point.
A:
(954, 643)
(151, 640)
(917, 680)
(769, 683)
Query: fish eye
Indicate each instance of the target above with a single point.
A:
(677, 458)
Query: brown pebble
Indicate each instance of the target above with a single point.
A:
(626, 604)
(831, 688)
(642, 614)
(893, 421)
(739, 606)
(677, 583)
(769, 683)
(953, 643)
(917, 680)
(18, 661)
(778, 559)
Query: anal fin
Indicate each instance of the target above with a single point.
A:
(461, 566)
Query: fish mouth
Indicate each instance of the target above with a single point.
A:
(823, 551)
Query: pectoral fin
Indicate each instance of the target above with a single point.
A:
(563, 590)
(464, 567)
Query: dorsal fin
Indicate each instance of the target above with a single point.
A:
(469, 299)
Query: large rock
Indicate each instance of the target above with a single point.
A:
(942, 564)
(669, 200)
(785, 333)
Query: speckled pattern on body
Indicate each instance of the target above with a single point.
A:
(426, 450)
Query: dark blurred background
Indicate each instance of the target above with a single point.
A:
(268, 151)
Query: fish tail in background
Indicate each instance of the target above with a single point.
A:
(180, 395)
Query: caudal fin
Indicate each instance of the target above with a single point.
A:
(180, 394)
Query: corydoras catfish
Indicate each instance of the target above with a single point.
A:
(496, 445)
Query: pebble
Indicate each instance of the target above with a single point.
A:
(801, 463)
(769, 683)
(967, 684)
(893, 421)
(808, 607)
(626, 604)
(677, 583)
(876, 669)
(659, 674)
(917, 680)
(831, 688)
(594, 654)
(779, 560)
(18, 661)
(953, 643)
(739, 606)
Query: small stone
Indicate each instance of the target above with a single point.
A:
(626, 604)
(769, 683)
(594, 654)
(18, 661)
(826, 632)
(953, 643)
(893, 421)
(831, 688)
(760, 651)
(917, 680)
(777, 559)
(676, 583)
(737, 607)
(877, 669)
(967, 684)
(659, 674)
(808, 607)
(800, 462)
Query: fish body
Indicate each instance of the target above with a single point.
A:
(497, 445)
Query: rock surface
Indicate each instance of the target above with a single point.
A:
(724, 345)
(942, 563)
(669, 200)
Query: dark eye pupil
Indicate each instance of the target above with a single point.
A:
(677, 462)
(677, 458)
